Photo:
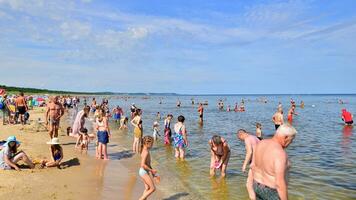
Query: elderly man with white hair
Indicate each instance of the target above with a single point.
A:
(270, 164)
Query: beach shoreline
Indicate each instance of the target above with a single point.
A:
(83, 176)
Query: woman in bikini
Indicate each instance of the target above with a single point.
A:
(220, 155)
(180, 140)
(137, 124)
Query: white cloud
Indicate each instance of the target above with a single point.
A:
(75, 30)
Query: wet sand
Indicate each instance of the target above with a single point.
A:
(83, 177)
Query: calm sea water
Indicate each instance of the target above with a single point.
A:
(322, 155)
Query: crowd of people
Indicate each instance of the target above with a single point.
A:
(266, 161)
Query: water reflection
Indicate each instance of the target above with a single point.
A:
(219, 189)
(346, 139)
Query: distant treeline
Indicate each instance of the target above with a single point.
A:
(10, 89)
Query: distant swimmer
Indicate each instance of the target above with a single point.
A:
(259, 131)
(201, 112)
(192, 101)
(347, 117)
(221, 105)
(278, 118)
(270, 165)
(236, 109)
(228, 108)
(291, 112)
(179, 103)
(242, 106)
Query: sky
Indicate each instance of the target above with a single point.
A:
(180, 46)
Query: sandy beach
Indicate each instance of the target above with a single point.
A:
(82, 176)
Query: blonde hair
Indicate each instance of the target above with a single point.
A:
(286, 130)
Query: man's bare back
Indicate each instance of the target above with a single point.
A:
(267, 154)
(278, 118)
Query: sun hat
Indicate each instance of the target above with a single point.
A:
(54, 141)
(11, 139)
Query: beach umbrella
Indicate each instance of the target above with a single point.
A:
(40, 99)
(2, 91)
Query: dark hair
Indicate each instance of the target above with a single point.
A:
(258, 125)
(21, 94)
(242, 130)
(216, 139)
(84, 130)
(181, 118)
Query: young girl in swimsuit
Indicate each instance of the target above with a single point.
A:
(56, 154)
(146, 168)
(180, 140)
(137, 124)
(167, 129)
(103, 134)
(220, 155)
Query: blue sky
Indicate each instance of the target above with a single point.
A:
(195, 46)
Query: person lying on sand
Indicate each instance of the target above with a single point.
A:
(9, 156)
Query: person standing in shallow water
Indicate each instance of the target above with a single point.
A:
(270, 165)
(278, 118)
(251, 142)
(291, 112)
(201, 113)
(180, 140)
(220, 155)
(167, 129)
(137, 124)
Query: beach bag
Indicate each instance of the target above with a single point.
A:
(1, 105)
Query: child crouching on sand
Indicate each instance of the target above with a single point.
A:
(146, 169)
(56, 154)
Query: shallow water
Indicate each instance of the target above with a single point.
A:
(322, 155)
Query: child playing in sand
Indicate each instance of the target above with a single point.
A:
(146, 169)
(56, 154)
(259, 131)
(155, 130)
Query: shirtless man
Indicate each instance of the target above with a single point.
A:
(278, 118)
(54, 113)
(291, 112)
(270, 165)
(201, 112)
(21, 107)
(251, 142)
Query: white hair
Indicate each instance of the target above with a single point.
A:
(286, 130)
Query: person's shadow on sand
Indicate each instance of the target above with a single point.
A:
(70, 163)
(177, 196)
(121, 155)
